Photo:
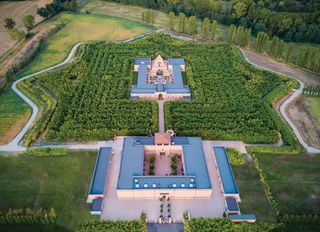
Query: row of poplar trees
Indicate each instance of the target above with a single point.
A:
(189, 25)
(308, 58)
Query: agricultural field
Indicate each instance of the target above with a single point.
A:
(81, 27)
(16, 10)
(45, 182)
(294, 182)
(93, 94)
(14, 113)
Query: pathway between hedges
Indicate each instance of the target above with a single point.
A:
(15, 144)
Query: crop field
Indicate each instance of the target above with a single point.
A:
(13, 115)
(16, 10)
(93, 94)
(294, 182)
(82, 27)
(45, 182)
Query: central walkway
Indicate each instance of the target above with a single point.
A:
(161, 116)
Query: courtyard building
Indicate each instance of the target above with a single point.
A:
(160, 79)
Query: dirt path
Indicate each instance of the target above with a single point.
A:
(306, 77)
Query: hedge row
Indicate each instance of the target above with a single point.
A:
(28, 216)
(266, 186)
(291, 143)
(46, 105)
(300, 219)
(46, 151)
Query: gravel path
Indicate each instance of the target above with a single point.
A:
(264, 65)
(161, 116)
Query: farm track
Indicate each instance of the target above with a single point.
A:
(15, 144)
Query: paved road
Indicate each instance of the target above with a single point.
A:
(284, 105)
(15, 144)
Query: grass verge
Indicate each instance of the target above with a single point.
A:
(294, 181)
(58, 182)
(81, 27)
(14, 112)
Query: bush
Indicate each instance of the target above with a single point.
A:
(110, 225)
(235, 157)
(28, 216)
(16, 34)
(46, 152)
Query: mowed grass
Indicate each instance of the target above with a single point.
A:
(315, 106)
(45, 182)
(82, 27)
(253, 197)
(13, 111)
(294, 182)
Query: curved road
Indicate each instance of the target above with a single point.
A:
(15, 144)
(309, 149)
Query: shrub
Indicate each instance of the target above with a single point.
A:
(235, 157)
(28, 216)
(46, 152)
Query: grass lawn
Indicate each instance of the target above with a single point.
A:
(315, 105)
(45, 182)
(294, 182)
(13, 114)
(134, 13)
(82, 27)
(253, 197)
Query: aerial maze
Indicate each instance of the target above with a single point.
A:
(88, 100)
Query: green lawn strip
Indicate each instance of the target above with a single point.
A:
(253, 197)
(315, 106)
(82, 27)
(294, 182)
(45, 182)
(12, 108)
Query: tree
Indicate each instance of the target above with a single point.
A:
(16, 34)
(206, 26)
(9, 23)
(240, 9)
(171, 21)
(214, 29)
(182, 22)
(28, 21)
(231, 32)
(261, 41)
(289, 53)
(192, 25)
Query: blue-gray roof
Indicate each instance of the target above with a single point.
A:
(225, 170)
(143, 87)
(131, 169)
(100, 171)
(178, 61)
(232, 204)
(143, 61)
(96, 204)
(242, 217)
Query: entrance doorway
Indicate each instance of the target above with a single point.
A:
(160, 97)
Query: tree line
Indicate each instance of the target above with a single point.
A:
(291, 20)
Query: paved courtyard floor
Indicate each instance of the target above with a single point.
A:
(115, 208)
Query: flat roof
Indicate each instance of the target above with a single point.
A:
(131, 169)
(100, 171)
(232, 204)
(143, 87)
(225, 170)
(96, 204)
